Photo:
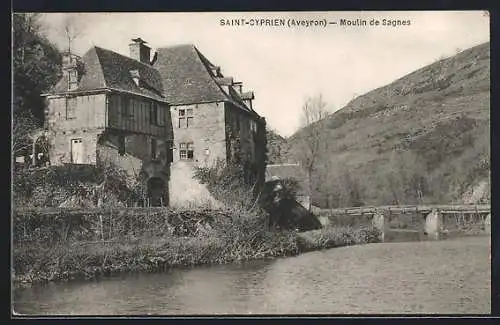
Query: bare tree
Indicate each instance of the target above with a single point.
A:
(23, 125)
(313, 136)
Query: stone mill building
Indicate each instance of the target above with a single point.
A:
(158, 116)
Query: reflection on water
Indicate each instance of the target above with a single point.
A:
(451, 276)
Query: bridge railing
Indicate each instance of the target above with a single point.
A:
(443, 209)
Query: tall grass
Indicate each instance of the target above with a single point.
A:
(244, 236)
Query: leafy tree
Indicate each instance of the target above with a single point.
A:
(36, 66)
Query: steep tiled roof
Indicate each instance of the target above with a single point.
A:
(107, 69)
(188, 78)
(180, 75)
(284, 171)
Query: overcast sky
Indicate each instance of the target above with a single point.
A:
(284, 65)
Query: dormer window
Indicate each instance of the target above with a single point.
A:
(135, 76)
(72, 79)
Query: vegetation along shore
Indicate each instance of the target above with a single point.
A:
(59, 246)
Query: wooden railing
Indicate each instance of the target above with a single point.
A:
(56, 210)
(444, 209)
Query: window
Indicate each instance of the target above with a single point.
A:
(156, 116)
(253, 126)
(189, 117)
(186, 151)
(186, 117)
(72, 79)
(169, 150)
(126, 107)
(70, 108)
(237, 126)
(121, 145)
(154, 148)
(153, 113)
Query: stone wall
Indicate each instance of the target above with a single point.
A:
(206, 132)
(60, 145)
(185, 190)
(89, 112)
(137, 160)
(87, 122)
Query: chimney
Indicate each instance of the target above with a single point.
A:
(72, 68)
(248, 97)
(139, 50)
(216, 71)
(238, 86)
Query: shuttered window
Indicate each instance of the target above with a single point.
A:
(127, 106)
(156, 116)
(71, 103)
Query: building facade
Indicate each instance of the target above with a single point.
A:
(158, 117)
(109, 109)
(212, 119)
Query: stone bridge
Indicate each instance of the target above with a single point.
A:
(432, 221)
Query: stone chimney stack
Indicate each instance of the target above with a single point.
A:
(139, 50)
(72, 68)
(239, 87)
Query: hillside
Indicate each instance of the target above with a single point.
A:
(277, 148)
(424, 138)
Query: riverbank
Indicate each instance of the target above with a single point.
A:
(425, 277)
(35, 263)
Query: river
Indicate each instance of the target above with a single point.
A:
(448, 276)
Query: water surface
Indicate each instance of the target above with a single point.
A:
(449, 276)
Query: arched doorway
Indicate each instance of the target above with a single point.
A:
(156, 192)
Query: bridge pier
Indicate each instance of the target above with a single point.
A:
(378, 222)
(433, 223)
(487, 224)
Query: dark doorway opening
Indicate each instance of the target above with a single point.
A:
(157, 192)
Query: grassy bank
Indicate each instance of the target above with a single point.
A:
(243, 238)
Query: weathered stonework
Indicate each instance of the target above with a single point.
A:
(378, 222)
(108, 108)
(433, 222)
(205, 131)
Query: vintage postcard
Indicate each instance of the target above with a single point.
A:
(251, 163)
